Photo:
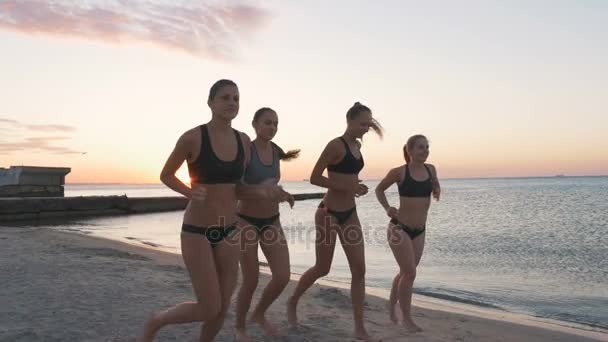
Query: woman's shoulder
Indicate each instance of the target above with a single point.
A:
(191, 135)
(336, 143)
(243, 136)
(399, 171)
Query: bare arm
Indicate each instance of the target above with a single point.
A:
(243, 190)
(391, 178)
(330, 154)
(180, 153)
(435, 181)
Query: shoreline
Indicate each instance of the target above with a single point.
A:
(449, 306)
(419, 299)
(441, 320)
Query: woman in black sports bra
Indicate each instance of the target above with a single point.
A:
(416, 182)
(337, 213)
(216, 155)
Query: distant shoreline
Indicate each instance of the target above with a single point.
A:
(377, 179)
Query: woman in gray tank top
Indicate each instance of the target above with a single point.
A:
(260, 225)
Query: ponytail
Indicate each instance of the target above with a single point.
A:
(354, 111)
(287, 156)
(405, 155)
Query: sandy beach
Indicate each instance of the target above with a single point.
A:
(59, 286)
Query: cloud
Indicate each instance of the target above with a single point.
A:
(8, 121)
(18, 143)
(208, 28)
(37, 144)
(51, 128)
(14, 124)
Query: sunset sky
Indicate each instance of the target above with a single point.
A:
(501, 88)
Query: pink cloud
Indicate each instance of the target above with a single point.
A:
(209, 28)
(13, 138)
(40, 144)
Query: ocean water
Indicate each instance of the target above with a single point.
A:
(536, 246)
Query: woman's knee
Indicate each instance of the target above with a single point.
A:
(249, 283)
(408, 274)
(321, 270)
(358, 271)
(397, 277)
(208, 311)
(281, 279)
(250, 272)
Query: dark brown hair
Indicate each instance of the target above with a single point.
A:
(285, 156)
(217, 86)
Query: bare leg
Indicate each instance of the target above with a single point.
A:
(275, 249)
(403, 250)
(351, 237)
(199, 260)
(419, 246)
(250, 270)
(324, 250)
(394, 297)
(226, 256)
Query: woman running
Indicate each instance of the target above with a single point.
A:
(337, 215)
(216, 155)
(406, 231)
(262, 226)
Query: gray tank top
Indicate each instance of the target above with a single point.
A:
(256, 172)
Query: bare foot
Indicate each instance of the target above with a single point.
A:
(392, 313)
(150, 328)
(410, 326)
(292, 316)
(268, 328)
(241, 336)
(363, 335)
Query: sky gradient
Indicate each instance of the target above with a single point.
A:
(515, 88)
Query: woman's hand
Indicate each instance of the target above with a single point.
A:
(436, 193)
(198, 194)
(356, 190)
(280, 195)
(360, 189)
(391, 212)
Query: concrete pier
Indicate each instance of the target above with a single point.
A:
(41, 208)
(32, 181)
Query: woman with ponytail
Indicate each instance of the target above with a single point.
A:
(337, 214)
(406, 231)
(261, 226)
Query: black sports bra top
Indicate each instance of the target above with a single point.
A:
(209, 169)
(349, 164)
(413, 188)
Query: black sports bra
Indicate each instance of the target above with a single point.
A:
(413, 188)
(349, 164)
(209, 169)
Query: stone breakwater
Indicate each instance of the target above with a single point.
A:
(26, 209)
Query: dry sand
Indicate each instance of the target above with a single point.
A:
(59, 286)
